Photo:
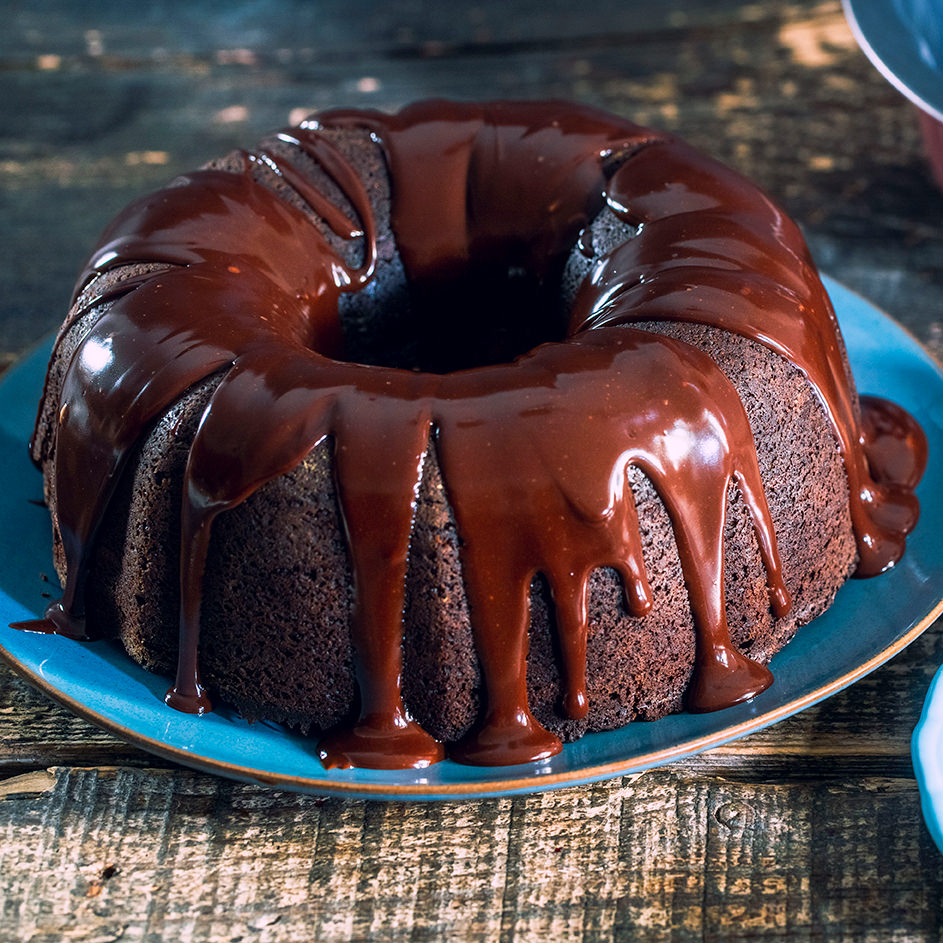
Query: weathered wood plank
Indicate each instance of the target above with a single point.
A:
(783, 94)
(334, 32)
(154, 855)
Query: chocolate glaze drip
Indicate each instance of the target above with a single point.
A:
(533, 453)
(720, 253)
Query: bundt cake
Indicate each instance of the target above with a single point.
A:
(462, 430)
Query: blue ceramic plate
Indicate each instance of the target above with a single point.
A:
(904, 41)
(870, 622)
(927, 747)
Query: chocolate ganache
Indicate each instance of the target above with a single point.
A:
(534, 451)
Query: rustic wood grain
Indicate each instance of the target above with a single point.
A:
(154, 854)
(807, 831)
(777, 89)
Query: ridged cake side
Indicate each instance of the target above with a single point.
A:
(277, 594)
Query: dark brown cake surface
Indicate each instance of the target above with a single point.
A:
(490, 425)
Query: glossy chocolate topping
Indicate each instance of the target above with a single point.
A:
(533, 452)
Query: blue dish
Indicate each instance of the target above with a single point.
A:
(904, 41)
(870, 621)
(927, 750)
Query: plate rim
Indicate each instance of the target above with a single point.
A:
(526, 784)
(532, 782)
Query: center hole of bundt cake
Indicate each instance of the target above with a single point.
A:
(487, 316)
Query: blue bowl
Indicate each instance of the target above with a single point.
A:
(927, 748)
(904, 40)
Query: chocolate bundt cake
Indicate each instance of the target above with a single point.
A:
(470, 429)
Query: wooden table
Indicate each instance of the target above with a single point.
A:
(810, 830)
